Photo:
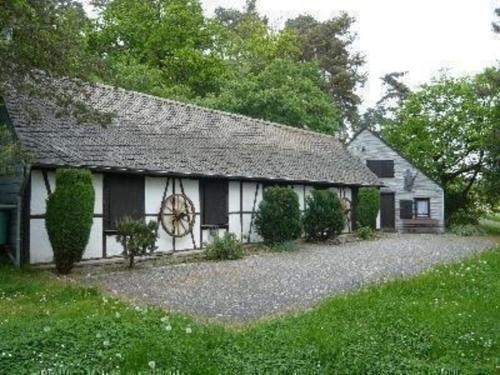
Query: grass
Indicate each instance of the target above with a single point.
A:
(443, 321)
(491, 224)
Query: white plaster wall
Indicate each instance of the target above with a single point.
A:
(94, 247)
(234, 196)
(113, 247)
(40, 247)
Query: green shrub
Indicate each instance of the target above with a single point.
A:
(323, 216)
(278, 217)
(70, 209)
(365, 233)
(284, 247)
(467, 230)
(136, 237)
(367, 207)
(226, 248)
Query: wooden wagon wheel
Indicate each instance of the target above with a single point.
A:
(177, 215)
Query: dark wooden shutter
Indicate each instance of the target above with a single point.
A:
(214, 202)
(406, 209)
(123, 196)
(382, 168)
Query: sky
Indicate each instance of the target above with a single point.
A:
(418, 36)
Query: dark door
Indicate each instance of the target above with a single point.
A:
(387, 211)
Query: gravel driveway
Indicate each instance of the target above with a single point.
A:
(268, 284)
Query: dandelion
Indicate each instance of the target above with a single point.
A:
(189, 330)
(152, 365)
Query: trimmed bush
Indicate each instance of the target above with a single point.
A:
(70, 209)
(323, 216)
(367, 207)
(365, 233)
(278, 217)
(136, 237)
(225, 248)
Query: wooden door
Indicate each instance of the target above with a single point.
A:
(387, 211)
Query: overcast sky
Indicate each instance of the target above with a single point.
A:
(418, 36)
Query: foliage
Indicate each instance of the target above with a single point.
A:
(449, 128)
(278, 218)
(170, 39)
(444, 320)
(490, 224)
(70, 211)
(367, 207)
(282, 92)
(136, 237)
(331, 44)
(323, 217)
(11, 152)
(285, 247)
(225, 248)
(365, 233)
(467, 230)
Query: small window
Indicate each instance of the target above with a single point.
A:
(422, 207)
(406, 209)
(382, 168)
(123, 196)
(214, 202)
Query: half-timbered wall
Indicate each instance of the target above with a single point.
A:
(243, 200)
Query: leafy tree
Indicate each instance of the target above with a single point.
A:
(323, 216)
(278, 218)
(169, 38)
(367, 207)
(283, 92)
(449, 128)
(330, 43)
(70, 211)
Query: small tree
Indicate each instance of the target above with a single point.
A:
(136, 237)
(278, 217)
(323, 216)
(70, 209)
(367, 207)
(225, 248)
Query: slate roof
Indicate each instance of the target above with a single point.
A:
(155, 135)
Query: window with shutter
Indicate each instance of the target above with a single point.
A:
(214, 202)
(406, 209)
(123, 196)
(382, 168)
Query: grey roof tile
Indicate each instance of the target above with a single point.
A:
(161, 135)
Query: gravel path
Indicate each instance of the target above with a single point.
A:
(268, 284)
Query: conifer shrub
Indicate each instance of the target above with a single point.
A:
(278, 218)
(70, 210)
(323, 217)
(367, 207)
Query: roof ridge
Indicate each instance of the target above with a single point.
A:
(218, 111)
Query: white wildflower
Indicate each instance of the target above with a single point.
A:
(189, 330)
(152, 364)
(168, 328)
(106, 343)
(117, 315)
(46, 329)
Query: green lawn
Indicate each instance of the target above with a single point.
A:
(443, 321)
(491, 224)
